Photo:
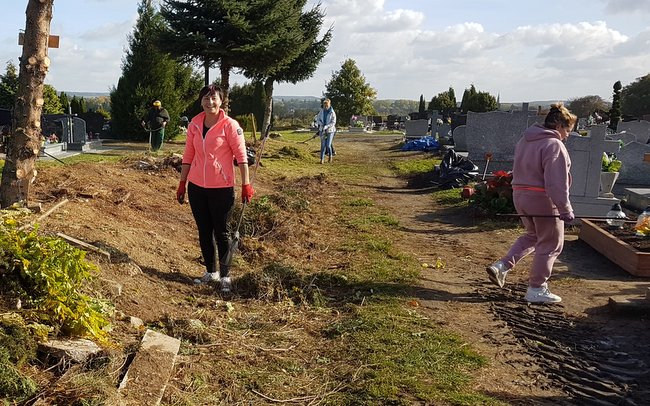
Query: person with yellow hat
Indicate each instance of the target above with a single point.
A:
(155, 122)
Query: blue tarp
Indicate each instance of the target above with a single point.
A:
(427, 143)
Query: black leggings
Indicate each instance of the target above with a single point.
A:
(211, 207)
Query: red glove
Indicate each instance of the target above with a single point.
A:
(247, 193)
(180, 192)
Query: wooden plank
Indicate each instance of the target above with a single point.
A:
(635, 262)
(84, 245)
(47, 213)
(146, 379)
(52, 40)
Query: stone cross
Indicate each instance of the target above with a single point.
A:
(586, 163)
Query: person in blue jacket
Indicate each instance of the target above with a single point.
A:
(326, 121)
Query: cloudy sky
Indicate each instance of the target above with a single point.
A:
(520, 50)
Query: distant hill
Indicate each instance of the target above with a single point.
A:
(86, 95)
(306, 98)
(531, 104)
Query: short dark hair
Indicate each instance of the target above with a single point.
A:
(211, 90)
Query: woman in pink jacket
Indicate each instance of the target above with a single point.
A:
(213, 141)
(540, 185)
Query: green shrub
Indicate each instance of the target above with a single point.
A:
(17, 347)
(48, 275)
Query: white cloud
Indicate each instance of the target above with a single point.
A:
(542, 61)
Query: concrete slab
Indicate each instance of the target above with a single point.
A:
(639, 198)
(147, 376)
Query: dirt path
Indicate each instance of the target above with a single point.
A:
(579, 352)
(575, 353)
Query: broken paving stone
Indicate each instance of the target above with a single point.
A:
(77, 350)
(146, 379)
(136, 322)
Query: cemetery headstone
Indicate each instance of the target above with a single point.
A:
(586, 161)
(635, 169)
(416, 128)
(640, 128)
(495, 132)
(459, 138)
(624, 136)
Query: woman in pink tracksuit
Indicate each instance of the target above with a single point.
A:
(213, 140)
(540, 185)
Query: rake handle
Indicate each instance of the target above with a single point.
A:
(557, 216)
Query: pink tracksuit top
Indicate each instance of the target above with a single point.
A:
(542, 163)
(211, 159)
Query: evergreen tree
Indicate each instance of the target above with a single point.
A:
(248, 99)
(635, 97)
(65, 102)
(51, 102)
(444, 102)
(615, 111)
(148, 74)
(349, 92)
(8, 86)
(303, 66)
(477, 102)
(78, 105)
(206, 32)
(422, 107)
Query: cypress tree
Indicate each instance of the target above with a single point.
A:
(65, 102)
(615, 111)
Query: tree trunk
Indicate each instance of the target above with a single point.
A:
(25, 141)
(224, 67)
(206, 70)
(268, 105)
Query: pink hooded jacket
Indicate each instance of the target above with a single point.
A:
(542, 163)
(211, 158)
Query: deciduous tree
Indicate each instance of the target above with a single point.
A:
(349, 92)
(586, 105)
(444, 102)
(635, 97)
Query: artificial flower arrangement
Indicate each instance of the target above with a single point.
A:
(494, 195)
(610, 163)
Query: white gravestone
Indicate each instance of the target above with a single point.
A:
(586, 162)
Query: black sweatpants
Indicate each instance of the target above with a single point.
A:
(211, 207)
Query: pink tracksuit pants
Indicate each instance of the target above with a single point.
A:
(544, 236)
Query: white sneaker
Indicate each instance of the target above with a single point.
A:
(226, 284)
(497, 273)
(208, 277)
(541, 295)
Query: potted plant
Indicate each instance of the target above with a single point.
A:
(609, 174)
